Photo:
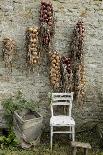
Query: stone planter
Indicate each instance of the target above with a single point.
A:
(2, 120)
(28, 126)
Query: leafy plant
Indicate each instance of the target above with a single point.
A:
(49, 97)
(16, 103)
(10, 140)
(11, 104)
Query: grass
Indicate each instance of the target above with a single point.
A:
(44, 150)
(61, 145)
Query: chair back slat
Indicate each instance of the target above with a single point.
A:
(61, 102)
(62, 94)
(62, 99)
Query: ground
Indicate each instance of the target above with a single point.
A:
(61, 145)
(44, 151)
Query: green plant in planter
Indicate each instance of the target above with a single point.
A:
(16, 103)
(10, 105)
(9, 140)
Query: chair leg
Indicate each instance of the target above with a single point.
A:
(70, 132)
(51, 139)
(73, 133)
(74, 151)
(85, 151)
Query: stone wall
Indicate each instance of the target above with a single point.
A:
(17, 15)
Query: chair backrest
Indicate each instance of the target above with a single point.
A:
(64, 99)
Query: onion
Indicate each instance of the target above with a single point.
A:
(54, 76)
(45, 11)
(53, 65)
(47, 20)
(30, 29)
(34, 61)
(49, 8)
(35, 53)
(35, 30)
(54, 61)
(32, 36)
(50, 19)
(53, 56)
(43, 6)
(45, 16)
(49, 13)
(50, 23)
(58, 58)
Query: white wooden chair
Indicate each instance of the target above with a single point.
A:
(64, 99)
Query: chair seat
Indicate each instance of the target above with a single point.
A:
(62, 120)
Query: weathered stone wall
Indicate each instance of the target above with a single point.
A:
(17, 15)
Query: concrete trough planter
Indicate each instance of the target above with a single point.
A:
(2, 120)
(28, 126)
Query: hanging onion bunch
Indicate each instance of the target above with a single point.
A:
(46, 22)
(78, 40)
(77, 59)
(46, 13)
(67, 65)
(82, 80)
(9, 48)
(79, 82)
(66, 73)
(55, 75)
(45, 39)
(32, 46)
